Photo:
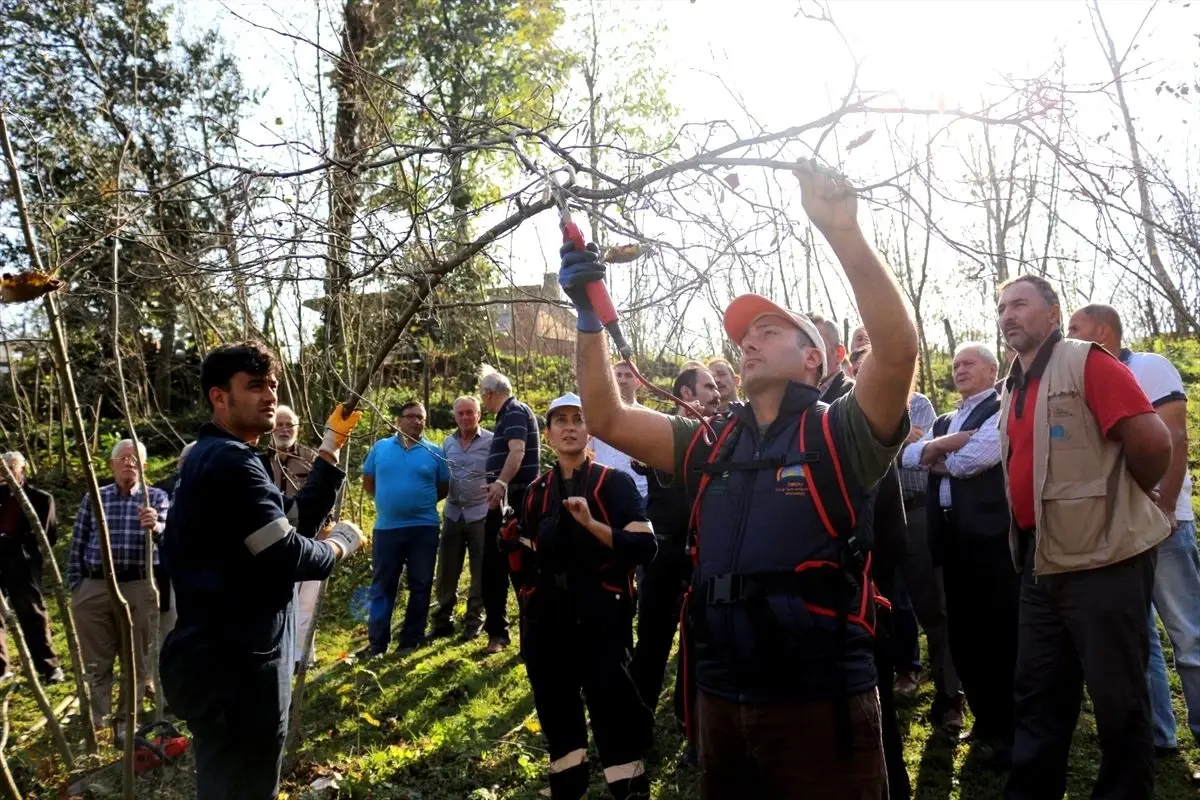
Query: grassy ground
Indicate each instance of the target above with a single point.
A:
(449, 722)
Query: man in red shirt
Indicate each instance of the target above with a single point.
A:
(1083, 453)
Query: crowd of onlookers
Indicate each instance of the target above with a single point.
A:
(942, 550)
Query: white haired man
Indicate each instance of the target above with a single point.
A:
(21, 570)
(129, 522)
(968, 521)
(514, 461)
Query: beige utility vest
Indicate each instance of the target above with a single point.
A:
(1089, 511)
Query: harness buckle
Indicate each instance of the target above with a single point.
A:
(724, 589)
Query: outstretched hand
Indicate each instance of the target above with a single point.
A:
(828, 198)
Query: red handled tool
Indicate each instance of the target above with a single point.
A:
(597, 291)
(602, 304)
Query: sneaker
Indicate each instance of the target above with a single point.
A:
(471, 631)
(906, 685)
(54, 676)
(441, 631)
(405, 651)
(495, 645)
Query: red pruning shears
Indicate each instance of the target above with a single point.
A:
(597, 291)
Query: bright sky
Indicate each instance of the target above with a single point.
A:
(782, 68)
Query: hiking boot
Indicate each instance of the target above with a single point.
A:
(906, 685)
(471, 631)
(54, 676)
(495, 645)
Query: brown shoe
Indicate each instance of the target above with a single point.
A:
(495, 645)
(906, 685)
(952, 720)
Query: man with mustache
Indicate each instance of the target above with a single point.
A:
(1083, 452)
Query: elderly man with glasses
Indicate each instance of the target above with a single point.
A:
(407, 475)
(129, 523)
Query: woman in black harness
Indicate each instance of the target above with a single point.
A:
(582, 531)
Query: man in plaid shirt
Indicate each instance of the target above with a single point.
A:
(129, 520)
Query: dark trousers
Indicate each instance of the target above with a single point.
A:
(898, 783)
(924, 584)
(21, 582)
(393, 551)
(659, 602)
(787, 750)
(239, 751)
(982, 600)
(236, 708)
(571, 664)
(1077, 628)
(496, 579)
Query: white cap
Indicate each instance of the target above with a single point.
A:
(568, 400)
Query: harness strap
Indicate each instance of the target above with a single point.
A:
(824, 586)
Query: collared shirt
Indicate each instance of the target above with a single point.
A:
(921, 414)
(468, 472)
(515, 421)
(980, 453)
(406, 482)
(124, 531)
(610, 456)
(1162, 384)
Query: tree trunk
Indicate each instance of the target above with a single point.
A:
(64, 603)
(166, 350)
(950, 340)
(6, 776)
(35, 685)
(360, 33)
(1158, 269)
(148, 560)
(62, 362)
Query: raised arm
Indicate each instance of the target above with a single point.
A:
(883, 383)
(639, 432)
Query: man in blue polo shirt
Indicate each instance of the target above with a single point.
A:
(407, 476)
(514, 461)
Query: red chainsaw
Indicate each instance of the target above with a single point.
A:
(155, 744)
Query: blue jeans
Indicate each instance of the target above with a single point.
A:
(392, 550)
(1162, 716)
(1177, 600)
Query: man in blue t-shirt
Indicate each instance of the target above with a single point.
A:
(407, 476)
(514, 461)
